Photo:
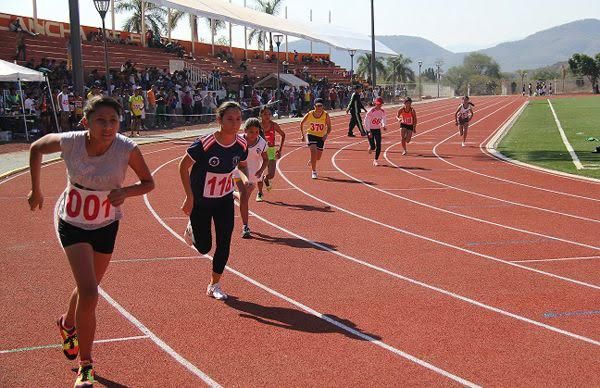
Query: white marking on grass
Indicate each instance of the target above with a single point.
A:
(565, 141)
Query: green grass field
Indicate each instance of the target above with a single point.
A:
(535, 138)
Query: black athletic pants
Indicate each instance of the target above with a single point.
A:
(355, 120)
(375, 141)
(220, 211)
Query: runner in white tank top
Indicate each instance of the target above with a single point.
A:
(462, 116)
(89, 210)
(257, 163)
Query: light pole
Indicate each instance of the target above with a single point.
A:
(102, 7)
(438, 64)
(277, 38)
(352, 52)
(373, 69)
(420, 88)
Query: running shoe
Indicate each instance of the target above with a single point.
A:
(375, 163)
(268, 184)
(403, 152)
(188, 235)
(462, 144)
(70, 344)
(351, 135)
(314, 175)
(85, 376)
(259, 197)
(246, 232)
(215, 291)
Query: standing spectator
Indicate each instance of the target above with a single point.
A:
(207, 107)
(285, 65)
(20, 47)
(65, 109)
(332, 98)
(151, 106)
(186, 106)
(161, 108)
(197, 105)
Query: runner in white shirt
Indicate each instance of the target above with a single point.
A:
(374, 122)
(462, 116)
(257, 162)
(89, 213)
(64, 109)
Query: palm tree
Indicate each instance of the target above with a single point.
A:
(272, 7)
(154, 16)
(364, 66)
(398, 70)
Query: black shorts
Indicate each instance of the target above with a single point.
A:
(316, 140)
(102, 240)
(406, 126)
(463, 121)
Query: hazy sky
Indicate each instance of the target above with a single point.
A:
(458, 25)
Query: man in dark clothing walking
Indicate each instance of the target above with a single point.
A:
(354, 108)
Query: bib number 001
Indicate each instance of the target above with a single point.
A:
(88, 207)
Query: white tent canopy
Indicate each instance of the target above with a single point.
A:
(236, 14)
(288, 79)
(13, 72)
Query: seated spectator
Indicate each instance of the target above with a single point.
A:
(15, 26)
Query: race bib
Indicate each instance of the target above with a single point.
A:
(317, 127)
(87, 207)
(218, 185)
(376, 121)
(408, 120)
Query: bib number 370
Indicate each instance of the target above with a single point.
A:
(88, 207)
(218, 185)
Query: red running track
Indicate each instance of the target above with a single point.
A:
(441, 267)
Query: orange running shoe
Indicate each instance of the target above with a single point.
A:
(70, 344)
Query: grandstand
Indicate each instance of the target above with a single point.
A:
(52, 43)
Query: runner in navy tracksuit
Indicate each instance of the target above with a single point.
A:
(354, 108)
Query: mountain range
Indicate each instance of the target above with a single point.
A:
(543, 48)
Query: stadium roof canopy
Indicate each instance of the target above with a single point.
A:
(236, 14)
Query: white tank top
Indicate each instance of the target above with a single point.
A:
(463, 113)
(88, 174)
(254, 159)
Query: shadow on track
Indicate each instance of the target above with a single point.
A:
(290, 242)
(311, 208)
(293, 319)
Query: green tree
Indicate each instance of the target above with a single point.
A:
(584, 65)
(545, 74)
(271, 7)
(364, 66)
(429, 74)
(398, 69)
(481, 64)
(155, 17)
(458, 78)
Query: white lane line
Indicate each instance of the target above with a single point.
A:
(309, 310)
(430, 287)
(333, 161)
(141, 260)
(558, 259)
(104, 341)
(565, 141)
(448, 245)
(144, 329)
(530, 168)
(385, 154)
